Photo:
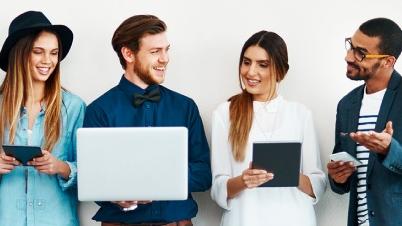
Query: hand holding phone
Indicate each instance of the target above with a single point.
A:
(345, 157)
(342, 166)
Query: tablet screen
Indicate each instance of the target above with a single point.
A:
(280, 158)
(22, 153)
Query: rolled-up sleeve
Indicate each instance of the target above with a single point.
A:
(72, 156)
(312, 166)
(220, 161)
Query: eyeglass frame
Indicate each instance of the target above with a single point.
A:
(356, 50)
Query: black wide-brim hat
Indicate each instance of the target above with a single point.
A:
(28, 23)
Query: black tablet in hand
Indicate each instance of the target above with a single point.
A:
(23, 153)
(280, 158)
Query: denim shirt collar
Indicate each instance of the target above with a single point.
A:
(23, 110)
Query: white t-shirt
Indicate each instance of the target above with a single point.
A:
(369, 111)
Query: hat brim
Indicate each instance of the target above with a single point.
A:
(64, 33)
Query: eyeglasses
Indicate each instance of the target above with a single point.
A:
(358, 52)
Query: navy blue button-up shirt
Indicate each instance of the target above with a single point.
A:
(115, 109)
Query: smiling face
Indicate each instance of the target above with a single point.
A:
(256, 74)
(367, 68)
(152, 58)
(44, 56)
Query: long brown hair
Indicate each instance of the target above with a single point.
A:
(241, 105)
(17, 86)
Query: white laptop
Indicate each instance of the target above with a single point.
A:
(133, 163)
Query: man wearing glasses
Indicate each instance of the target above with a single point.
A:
(371, 118)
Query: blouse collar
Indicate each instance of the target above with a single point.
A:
(270, 106)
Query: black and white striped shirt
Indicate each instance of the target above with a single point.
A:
(367, 119)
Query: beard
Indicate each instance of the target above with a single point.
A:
(143, 73)
(362, 73)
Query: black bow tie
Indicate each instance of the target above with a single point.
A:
(153, 95)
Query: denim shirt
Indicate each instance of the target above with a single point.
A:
(31, 198)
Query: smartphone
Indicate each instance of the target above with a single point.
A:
(23, 154)
(345, 157)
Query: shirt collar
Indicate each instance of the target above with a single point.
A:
(268, 106)
(131, 88)
(24, 110)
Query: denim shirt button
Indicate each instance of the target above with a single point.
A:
(30, 203)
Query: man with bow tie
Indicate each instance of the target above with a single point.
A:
(139, 101)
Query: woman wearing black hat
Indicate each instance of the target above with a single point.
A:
(36, 111)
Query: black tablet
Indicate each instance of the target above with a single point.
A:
(22, 153)
(280, 158)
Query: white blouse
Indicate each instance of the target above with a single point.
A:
(278, 120)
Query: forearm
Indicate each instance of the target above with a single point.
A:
(305, 185)
(63, 169)
(235, 185)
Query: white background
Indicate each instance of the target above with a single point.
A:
(206, 38)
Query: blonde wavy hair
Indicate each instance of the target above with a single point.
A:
(17, 86)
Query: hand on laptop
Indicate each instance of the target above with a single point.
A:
(130, 205)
